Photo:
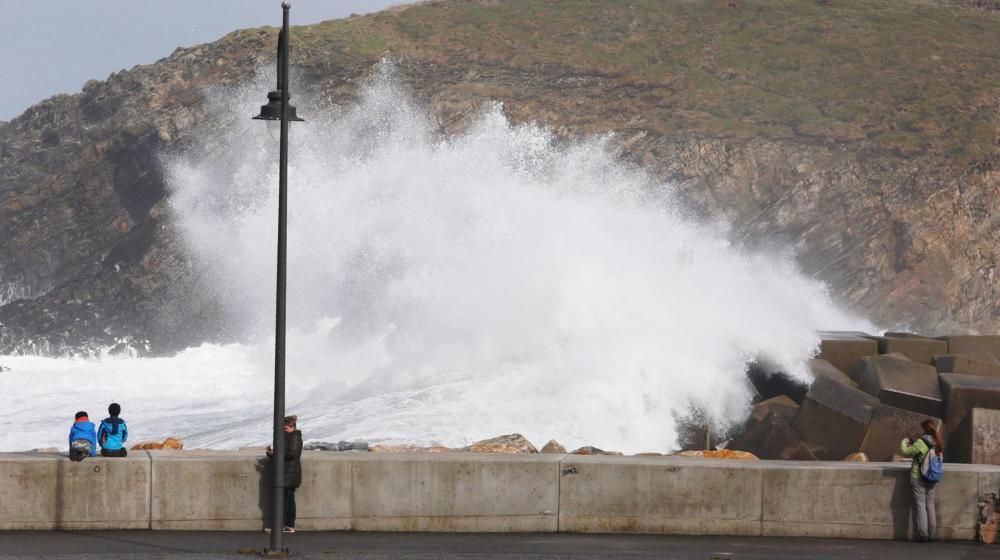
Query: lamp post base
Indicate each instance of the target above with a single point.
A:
(281, 553)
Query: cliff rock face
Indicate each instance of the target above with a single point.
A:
(872, 149)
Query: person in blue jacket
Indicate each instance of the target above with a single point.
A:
(82, 438)
(113, 433)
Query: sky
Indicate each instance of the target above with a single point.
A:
(55, 46)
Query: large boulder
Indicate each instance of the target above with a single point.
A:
(917, 348)
(833, 418)
(903, 383)
(719, 454)
(965, 344)
(963, 392)
(169, 443)
(510, 443)
(888, 426)
(553, 447)
(843, 349)
(972, 363)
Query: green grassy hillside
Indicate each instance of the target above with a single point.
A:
(912, 77)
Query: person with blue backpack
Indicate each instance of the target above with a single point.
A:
(113, 433)
(925, 472)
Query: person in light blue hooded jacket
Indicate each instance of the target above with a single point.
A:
(113, 433)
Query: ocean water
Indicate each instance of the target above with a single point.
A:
(442, 289)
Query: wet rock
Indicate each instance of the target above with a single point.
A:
(903, 383)
(857, 457)
(974, 363)
(169, 443)
(591, 450)
(510, 443)
(719, 454)
(553, 447)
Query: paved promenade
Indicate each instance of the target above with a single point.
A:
(419, 546)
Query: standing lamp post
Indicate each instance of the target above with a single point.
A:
(279, 110)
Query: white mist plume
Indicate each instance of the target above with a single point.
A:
(446, 289)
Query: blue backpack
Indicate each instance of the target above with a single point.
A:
(931, 466)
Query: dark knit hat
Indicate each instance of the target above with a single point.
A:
(80, 415)
(115, 409)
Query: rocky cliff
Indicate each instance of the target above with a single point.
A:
(865, 135)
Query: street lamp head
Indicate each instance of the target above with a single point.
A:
(272, 111)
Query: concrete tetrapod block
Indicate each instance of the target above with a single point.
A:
(904, 384)
(865, 500)
(964, 392)
(664, 495)
(888, 426)
(964, 344)
(833, 418)
(917, 348)
(976, 439)
(232, 491)
(781, 406)
(48, 491)
(456, 492)
(820, 366)
(771, 438)
(843, 349)
(973, 363)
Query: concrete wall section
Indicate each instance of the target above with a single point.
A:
(455, 492)
(42, 491)
(482, 492)
(668, 495)
(871, 501)
(207, 491)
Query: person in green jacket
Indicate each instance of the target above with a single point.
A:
(923, 491)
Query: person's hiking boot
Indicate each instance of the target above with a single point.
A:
(288, 530)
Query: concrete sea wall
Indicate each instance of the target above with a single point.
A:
(482, 492)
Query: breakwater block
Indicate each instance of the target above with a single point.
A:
(917, 348)
(888, 426)
(843, 349)
(772, 438)
(819, 366)
(833, 418)
(770, 383)
(964, 344)
(903, 383)
(963, 392)
(781, 406)
(984, 435)
(973, 363)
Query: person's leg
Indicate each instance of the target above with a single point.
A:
(931, 513)
(289, 507)
(919, 508)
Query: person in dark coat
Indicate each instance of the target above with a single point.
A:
(293, 469)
